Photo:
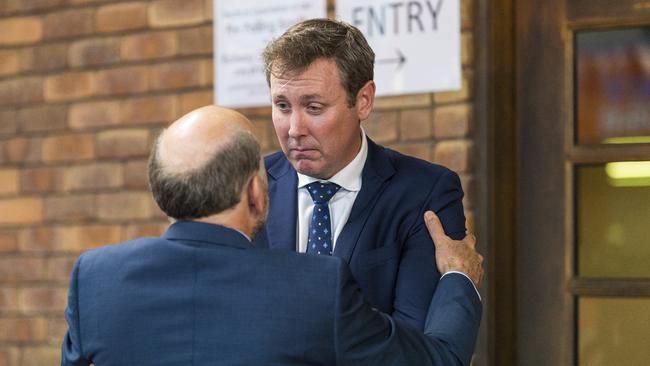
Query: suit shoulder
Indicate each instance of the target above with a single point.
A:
(275, 158)
(115, 253)
(409, 165)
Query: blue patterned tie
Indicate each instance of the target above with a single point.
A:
(320, 227)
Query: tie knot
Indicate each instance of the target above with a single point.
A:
(322, 192)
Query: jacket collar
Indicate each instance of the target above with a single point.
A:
(206, 233)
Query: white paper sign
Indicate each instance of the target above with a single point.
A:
(416, 42)
(242, 29)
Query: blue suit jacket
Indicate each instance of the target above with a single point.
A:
(385, 241)
(203, 295)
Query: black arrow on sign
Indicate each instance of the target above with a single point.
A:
(399, 60)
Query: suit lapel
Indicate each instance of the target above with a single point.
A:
(282, 218)
(376, 172)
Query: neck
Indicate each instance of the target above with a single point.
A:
(230, 219)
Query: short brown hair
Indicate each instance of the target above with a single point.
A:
(312, 39)
(210, 189)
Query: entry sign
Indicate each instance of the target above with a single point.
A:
(242, 29)
(416, 43)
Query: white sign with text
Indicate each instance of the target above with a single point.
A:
(242, 29)
(416, 43)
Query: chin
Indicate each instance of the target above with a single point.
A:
(307, 168)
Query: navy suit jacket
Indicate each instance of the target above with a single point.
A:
(203, 295)
(385, 240)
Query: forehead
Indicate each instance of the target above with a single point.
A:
(321, 77)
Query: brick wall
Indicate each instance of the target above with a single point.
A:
(85, 86)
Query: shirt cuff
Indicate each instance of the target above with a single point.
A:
(466, 276)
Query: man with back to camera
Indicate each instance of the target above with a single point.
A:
(369, 211)
(202, 294)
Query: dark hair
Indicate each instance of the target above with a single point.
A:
(210, 189)
(312, 39)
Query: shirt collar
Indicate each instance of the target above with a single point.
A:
(349, 178)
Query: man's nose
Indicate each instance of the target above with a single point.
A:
(297, 125)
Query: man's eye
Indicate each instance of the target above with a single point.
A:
(314, 108)
(282, 106)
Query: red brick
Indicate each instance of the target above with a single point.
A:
(46, 57)
(8, 300)
(59, 268)
(454, 154)
(125, 206)
(171, 13)
(8, 181)
(470, 222)
(382, 126)
(9, 63)
(419, 150)
(41, 355)
(19, 150)
(66, 208)
(123, 143)
(151, 45)
(158, 109)
(466, 14)
(56, 328)
(9, 356)
(21, 211)
(8, 242)
(40, 239)
(92, 52)
(136, 175)
(463, 94)
(145, 230)
(83, 237)
(68, 147)
(93, 176)
(193, 100)
(68, 23)
(94, 114)
(179, 74)
(123, 16)
(263, 130)
(70, 86)
(21, 269)
(403, 101)
(42, 299)
(14, 329)
(42, 118)
(21, 91)
(196, 41)
(451, 121)
(22, 5)
(21, 30)
(415, 124)
(209, 9)
(8, 124)
(34, 180)
(467, 49)
(123, 80)
(468, 184)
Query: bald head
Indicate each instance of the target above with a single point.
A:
(191, 141)
(200, 164)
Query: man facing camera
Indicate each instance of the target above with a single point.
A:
(202, 294)
(332, 190)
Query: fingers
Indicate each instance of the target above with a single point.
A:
(434, 226)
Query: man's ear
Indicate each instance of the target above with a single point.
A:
(365, 100)
(256, 192)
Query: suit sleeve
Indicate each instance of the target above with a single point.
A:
(71, 353)
(417, 274)
(365, 336)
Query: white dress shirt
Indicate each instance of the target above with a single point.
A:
(340, 206)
